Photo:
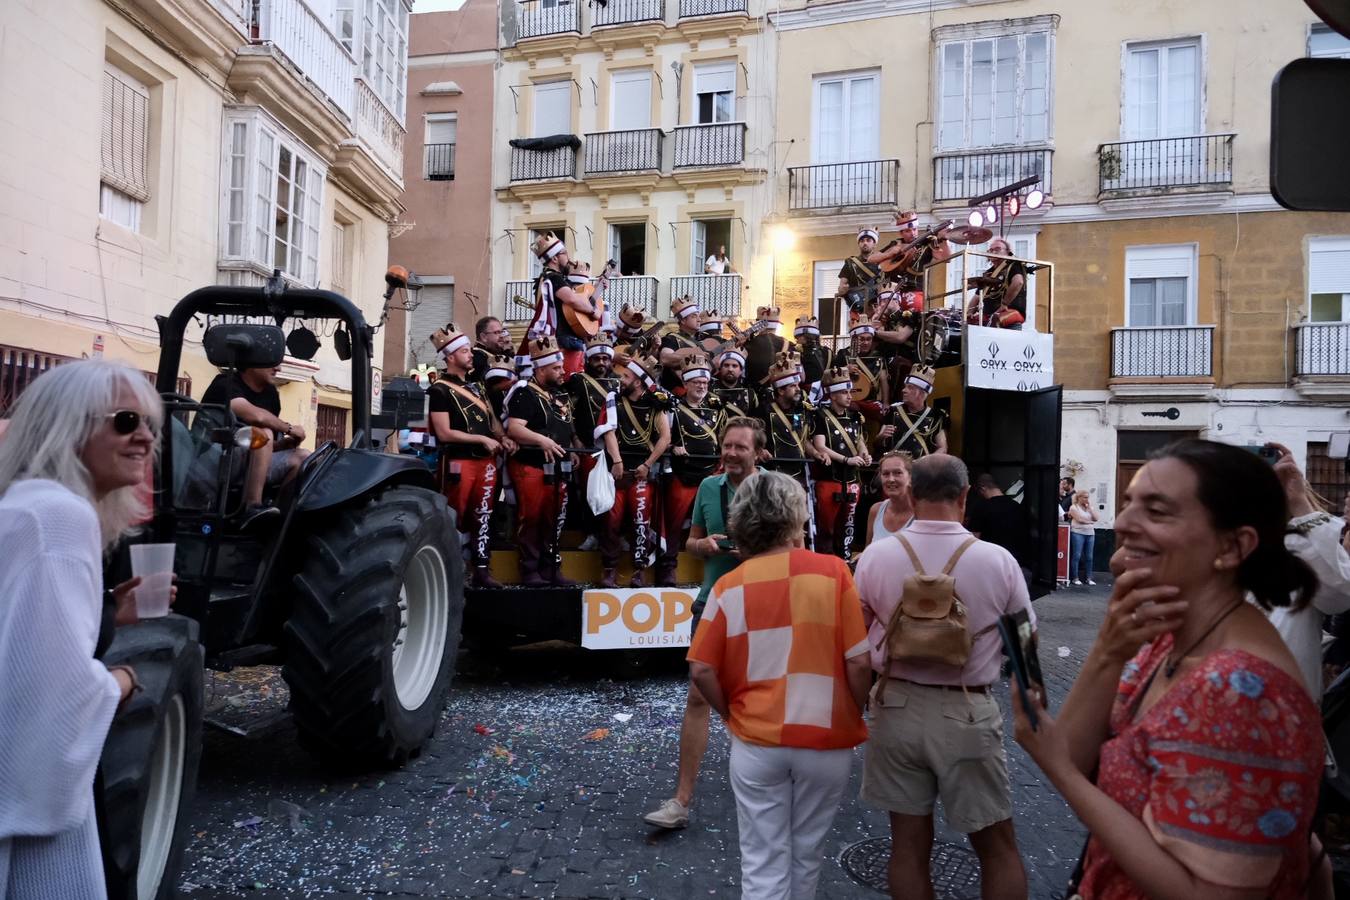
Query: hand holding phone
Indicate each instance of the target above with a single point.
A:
(1019, 643)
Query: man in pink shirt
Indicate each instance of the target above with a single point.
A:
(936, 730)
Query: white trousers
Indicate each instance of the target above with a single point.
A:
(786, 800)
(64, 866)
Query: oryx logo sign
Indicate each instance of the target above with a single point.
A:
(991, 362)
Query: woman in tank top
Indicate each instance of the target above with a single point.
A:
(896, 510)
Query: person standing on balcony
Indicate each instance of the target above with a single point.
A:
(737, 398)
(552, 292)
(677, 346)
(696, 425)
(858, 276)
(841, 445)
(719, 263)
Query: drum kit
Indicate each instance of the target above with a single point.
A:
(940, 333)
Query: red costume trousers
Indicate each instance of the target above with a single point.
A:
(470, 486)
(541, 507)
(675, 509)
(635, 511)
(574, 361)
(836, 517)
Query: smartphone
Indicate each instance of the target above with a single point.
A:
(1019, 643)
(1269, 454)
(726, 544)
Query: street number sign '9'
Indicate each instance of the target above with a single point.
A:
(636, 618)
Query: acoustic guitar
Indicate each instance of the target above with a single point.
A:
(912, 250)
(585, 325)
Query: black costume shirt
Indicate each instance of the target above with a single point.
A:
(482, 359)
(815, 359)
(923, 440)
(637, 431)
(862, 278)
(739, 400)
(465, 415)
(697, 429)
(760, 352)
(546, 288)
(588, 402)
(670, 375)
(873, 362)
(1004, 270)
(911, 279)
(843, 434)
(789, 435)
(543, 412)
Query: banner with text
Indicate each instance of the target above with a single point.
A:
(636, 618)
(1006, 360)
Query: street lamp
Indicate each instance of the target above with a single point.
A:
(781, 238)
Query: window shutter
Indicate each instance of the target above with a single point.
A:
(715, 78)
(1164, 263)
(441, 130)
(435, 307)
(125, 137)
(1329, 268)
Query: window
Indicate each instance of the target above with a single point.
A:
(435, 307)
(331, 425)
(552, 108)
(1325, 43)
(1329, 279)
(125, 149)
(630, 101)
(628, 246)
(1160, 286)
(344, 18)
(274, 191)
(384, 49)
(827, 305)
(715, 92)
(440, 146)
(994, 91)
(342, 263)
(1162, 90)
(847, 118)
(1023, 247)
(1327, 476)
(706, 235)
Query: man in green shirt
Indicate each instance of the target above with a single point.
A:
(743, 442)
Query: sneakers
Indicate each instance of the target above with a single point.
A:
(1090, 581)
(671, 814)
(1077, 582)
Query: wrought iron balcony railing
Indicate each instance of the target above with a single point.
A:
(1203, 159)
(439, 162)
(872, 182)
(1323, 348)
(960, 176)
(690, 9)
(612, 152)
(541, 18)
(1163, 352)
(720, 294)
(540, 165)
(625, 12)
(720, 144)
(637, 291)
(519, 299)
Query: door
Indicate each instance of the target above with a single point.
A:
(698, 246)
(1162, 108)
(827, 305)
(1133, 448)
(331, 426)
(846, 127)
(552, 108)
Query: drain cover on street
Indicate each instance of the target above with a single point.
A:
(956, 870)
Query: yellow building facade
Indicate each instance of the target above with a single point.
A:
(156, 147)
(1186, 301)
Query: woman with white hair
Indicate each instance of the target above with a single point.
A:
(781, 654)
(78, 446)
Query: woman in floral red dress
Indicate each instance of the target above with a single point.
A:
(1190, 711)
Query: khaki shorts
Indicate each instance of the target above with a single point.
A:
(927, 743)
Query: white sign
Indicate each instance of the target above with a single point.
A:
(1007, 360)
(376, 392)
(636, 618)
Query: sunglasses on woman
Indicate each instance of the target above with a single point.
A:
(126, 421)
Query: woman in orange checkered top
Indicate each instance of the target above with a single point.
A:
(781, 654)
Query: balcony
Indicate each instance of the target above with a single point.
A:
(1163, 352)
(625, 12)
(960, 176)
(709, 145)
(623, 152)
(519, 299)
(542, 18)
(720, 294)
(303, 37)
(379, 129)
(543, 165)
(637, 291)
(1322, 359)
(693, 9)
(1164, 164)
(839, 186)
(438, 162)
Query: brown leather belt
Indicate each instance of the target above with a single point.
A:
(971, 688)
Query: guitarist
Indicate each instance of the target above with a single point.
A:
(841, 444)
(554, 291)
(919, 429)
(907, 259)
(737, 398)
(858, 276)
(678, 345)
(471, 443)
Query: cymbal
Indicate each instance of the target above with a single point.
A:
(968, 234)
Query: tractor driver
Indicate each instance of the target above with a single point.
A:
(251, 394)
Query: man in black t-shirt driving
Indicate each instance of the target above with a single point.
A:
(251, 394)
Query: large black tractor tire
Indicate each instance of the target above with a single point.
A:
(374, 632)
(148, 773)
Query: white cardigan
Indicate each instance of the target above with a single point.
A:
(1302, 631)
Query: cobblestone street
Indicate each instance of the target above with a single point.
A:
(534, 786)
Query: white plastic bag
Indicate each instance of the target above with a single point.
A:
(600, 486)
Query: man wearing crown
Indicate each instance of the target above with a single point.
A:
(815, 358)
(763, 344)
(590, 390)
(629, 325)
(862, 355)
(788, 419)
(858, 276)
(540, 422)
(680, 344)
(918, 428)
(553, 290)
(471, 443)
(737, 398)
(912, 255)
(636, 435)
(841, 445)
(695, 440)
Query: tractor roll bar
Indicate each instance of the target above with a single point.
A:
(280, 303)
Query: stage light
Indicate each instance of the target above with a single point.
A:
(991, 214)
(1035, 199)
(1014, 206)
(976, 219)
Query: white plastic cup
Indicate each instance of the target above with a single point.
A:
(153, 564)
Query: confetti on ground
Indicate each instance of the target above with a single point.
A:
(622, 717)
(1064, 652)
(250, 822)
(598, 734)
(482, 729)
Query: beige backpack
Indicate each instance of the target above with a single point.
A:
(929, 625)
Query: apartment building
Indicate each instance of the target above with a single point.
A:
(447, 170)
(660, 114)
(156, 146)
(1185, 301)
